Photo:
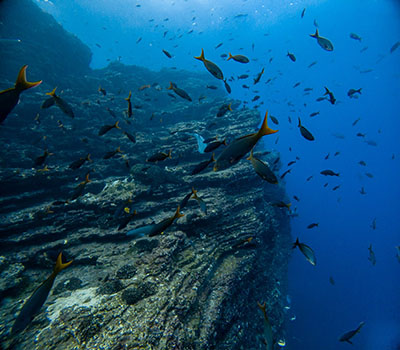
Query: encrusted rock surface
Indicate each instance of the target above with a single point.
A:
(194, 287)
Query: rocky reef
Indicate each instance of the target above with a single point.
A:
(195, 286)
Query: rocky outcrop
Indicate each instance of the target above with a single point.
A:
(195, 286)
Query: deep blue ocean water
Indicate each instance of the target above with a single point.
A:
(135, 32)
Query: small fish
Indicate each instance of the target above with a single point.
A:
(291, 56)
(210, 66)
(332, 98)
(359, 134)
(314, 114)
(59, 102)
(335, 188)
(356, 121)
(262, 169)
(371, 255)
(362, 191)
(355, 36)
(348, 335)
(306, 250)
(111, 154)
(305, 133)
(144, 87)
(79, 189)
(106, 128)
(129, 110)
(201, 166)
(296, 85)
(352, 92)
(285, 173)
(258, 77)
(243, 76)
(255, 98)
(185, 199)
(35, 302)
(296, 198)
(331, 280)
(274, 120)
(100, 89)
(166, 53)
(211, 87)
(329, 173)
(323, 42)
(160, 156)
(219, 45)
(291, 163)
(244, 86)
(395, 47)
(138, 40)
(78, 163)
(238, 58)
(319, 99)
(336, 154)
(309, 178)
(303, 12)
(312, 64)
(180, 92)
(369, 175)
(130, 136)
(314, 224)
(281, 204)
(373, 224)
(211, 146)
(268, 336)
(202, 204)
(41, 159)
(224, 109)
(371, 143)
(227, 87)
(10, 97)
(241, 146)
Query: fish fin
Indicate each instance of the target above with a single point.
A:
(116, 125)
(88, 158)
(224, 142)
(170, 86)
(316, 35)
(299, 123)
(52, 93)
(169, 154)
(194, 192)
(59, 264)
(201, 57)
(265, 130)
(129, 96)
(296, 244)
(87, 180)
(230, 106)
(21, 83)
(251, 155)
(230, 56)
(326, 91)
(118, 150)
(178, 213)
(288, 205)
(212, 158)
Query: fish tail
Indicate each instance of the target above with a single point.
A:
(129, 96)
(265, 129)
(88, 158)
(251, 155)
(21, 83)
(224, 142)
(178, 213)
(299, 123)
(116, 125)
(87, 180)
(52, 93)
(194, 192)
(118, 150)
(326, 91)
(59, 264)
(169, 154)
(316, 35)
(230, 56)
(171, 87)
(201, 57)
(230, 106)
(212, 158)
(296, 244)
(288, 205)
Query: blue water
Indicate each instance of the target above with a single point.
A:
(362, 292)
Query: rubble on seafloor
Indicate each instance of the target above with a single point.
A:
(196, 286)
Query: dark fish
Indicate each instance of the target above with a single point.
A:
(326, 184)
(210, 66)
(106, 128)
(323, 42)
(290, 120)
(241, 146)
(201, 166)
(185, 199)
(282, 205)
(111, 154)
(238, 58)
(41, 159)
(348, 335)
(180, 92)
(59, 102)
(371, 256)
(227, 87)
(355, 36)
(224, 109)
(202, 204)
(335, 188)
(352, 92)
(314, 114)
(100, 89)
(365, 48)
(331, 280)
(362, 191)
(262, 169)
(243, 76)
(303, 12)
(296, 85)
(10, 97)
(316, 25)
(369, 175)
(167, 53)
(212, 87)
(329, 173)
(305, 133)
(327, 156)
(130, 136)
(244, 86)
(274, 120)
(356, 121)
(309, 178)
(126, 220)
(319, 99)
(78, 163)
(371, 143)
(291, 163)
(258, 77)
(129, 111)
(359, 134)
(268, 336)
(138, 40)
(373, 224)
(314, 224)
(224, 55)
(285, 173)
(79, 189)
(308, 89)
(306, 250)
(332, 99)
(214, 145)
(255, 98)
(291, 56)
(312, 64)
(160, 156)
(296, 198)
(219, 45)
(394, 47)
(35, 302)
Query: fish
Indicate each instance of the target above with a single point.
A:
(258, 77)
(296, 198)
(241, 146)
(210, 66)
(296, 85)
(211, 87)
(373, 224)
(312, 64)
(79, 189)
(323, 42)
(214, 145)
(111, 154)
(305, 133)
(371, 142)
(291, 163)
(262, 169)
(224, 109)
(78, 163)
(369, 175)
(201, 166)
(219, 45)
(352, 92)
(274, 120)
(362, 191)
(166, 53)
(331, 280)
(144, 87)
(291, 56)
(224, 55)
(314, 224)
(395, 47)
(355, 36)
(138, 40)
(398, 253)
(160, 156)
(41, 159)
(35, 302)
(319, 99)
(348, 335)
(185, 199)
(285, 173)
(303, 12)
(359, 134)
(314, 114)
(10, 97)
(329, 173)
(307, 251)
(106, 128)
(59, 102)
(129, 110)
(202, 204)
(127, 219)
(268, 336)
(180, 92)
(281, 204)
(332, 99)
(155, 229)
(309, 178)
(227, 87)
(371, 256)
(335, 188)
(100, 89)
(129, 136)
(238, 58)
(243, 76)
(255, 98)
(356, 121)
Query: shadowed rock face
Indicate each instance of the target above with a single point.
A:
(194, 287)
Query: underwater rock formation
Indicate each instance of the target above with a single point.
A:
(195, 286)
